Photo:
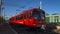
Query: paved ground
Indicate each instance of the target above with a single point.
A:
(6, 29)
(35, 32)
(49, 30)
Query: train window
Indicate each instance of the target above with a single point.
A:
(24, 16)
(41, 16)
(30, 14)
(19, 17)
(37, 15)
(12, 18)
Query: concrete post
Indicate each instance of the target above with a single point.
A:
(53, 19)
(59, 19)
(50, 19)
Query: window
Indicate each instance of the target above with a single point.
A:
(24, 16)
(30, 14)
(19, 17)
(11, 18)
(47, 19)
(37, 14)
(56, 19)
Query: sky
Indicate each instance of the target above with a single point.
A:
(11, 7)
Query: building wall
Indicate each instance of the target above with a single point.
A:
(52, 19)
(59, 19)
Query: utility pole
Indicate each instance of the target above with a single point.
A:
(0, 7)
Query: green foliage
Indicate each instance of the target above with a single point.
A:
(55, 14)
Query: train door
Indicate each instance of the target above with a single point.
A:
(26, 21)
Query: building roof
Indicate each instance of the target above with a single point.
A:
(52, 15)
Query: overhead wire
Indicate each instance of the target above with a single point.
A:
(15, 5)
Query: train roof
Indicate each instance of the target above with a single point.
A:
(29, 10)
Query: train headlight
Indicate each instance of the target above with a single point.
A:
(42, 17)
(21, 22)
(35, 17)
(34, 24)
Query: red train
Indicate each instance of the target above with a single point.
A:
(34, 18)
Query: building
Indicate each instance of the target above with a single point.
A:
(52, 18)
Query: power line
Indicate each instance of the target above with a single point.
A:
(19, 6)
(9, 4)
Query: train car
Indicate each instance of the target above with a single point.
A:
(34, 18)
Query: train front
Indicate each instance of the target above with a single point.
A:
(38, 17)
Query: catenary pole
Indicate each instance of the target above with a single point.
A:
(40, 5)
(0, 7)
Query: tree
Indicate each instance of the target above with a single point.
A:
(46, 14)
(55, 14)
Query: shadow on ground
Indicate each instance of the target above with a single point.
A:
(49, 30)
(5, 27)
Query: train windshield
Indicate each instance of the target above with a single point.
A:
(37, 15)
